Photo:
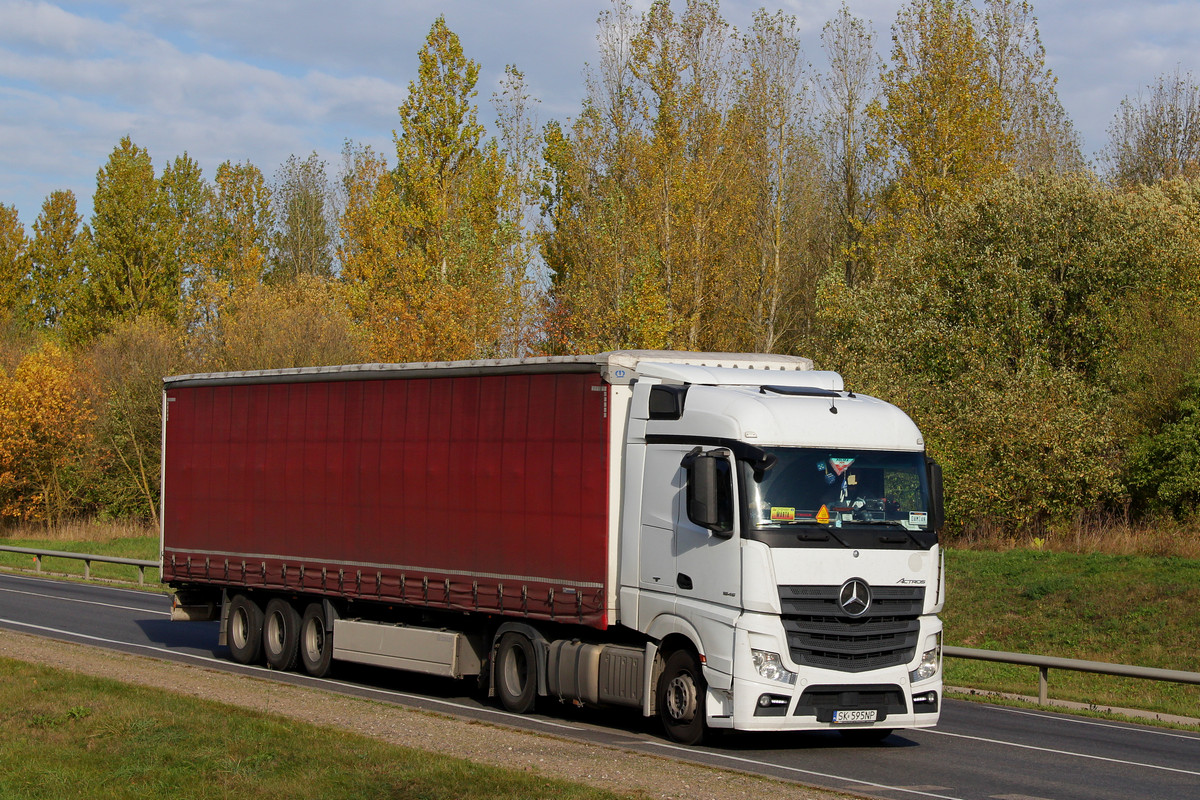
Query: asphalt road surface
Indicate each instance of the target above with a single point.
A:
(977, 752)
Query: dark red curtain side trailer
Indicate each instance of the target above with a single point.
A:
(463, 489)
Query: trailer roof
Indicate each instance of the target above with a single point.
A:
(617, 366)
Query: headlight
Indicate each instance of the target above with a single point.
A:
(931, 660)
(770, 666)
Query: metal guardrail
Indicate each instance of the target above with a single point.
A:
(87, 559)
(1045, 663)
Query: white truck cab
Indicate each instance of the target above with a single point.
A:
(780, 533)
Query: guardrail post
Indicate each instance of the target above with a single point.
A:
(37, 559)
(141, 576)
(87, 568)
(1043, 685)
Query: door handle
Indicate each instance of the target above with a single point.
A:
(683, 581)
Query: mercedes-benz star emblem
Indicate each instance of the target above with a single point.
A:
(855, 597)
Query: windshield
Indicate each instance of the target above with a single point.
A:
(840, 488)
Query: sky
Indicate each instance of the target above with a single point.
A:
(260, 81)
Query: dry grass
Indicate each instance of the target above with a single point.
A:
(90, 530)
(1108, 534)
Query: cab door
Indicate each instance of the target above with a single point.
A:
(708, 562)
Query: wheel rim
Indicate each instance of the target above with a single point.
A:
(240, 628)
(681, 698)
(274, 636)
(314, 640)
(516, 671)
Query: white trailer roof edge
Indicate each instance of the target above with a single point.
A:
(617, 366)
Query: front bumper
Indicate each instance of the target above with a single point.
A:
(809, 703)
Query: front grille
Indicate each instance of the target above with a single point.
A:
(821, 635)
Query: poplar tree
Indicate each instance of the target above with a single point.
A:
(434, 273)
(133, 269)
(942, 127)
(58, 257)
(301, 242)
(848, 89)
(13, 246)
(1041, 135)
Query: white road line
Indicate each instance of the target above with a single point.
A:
(1062, 752)
(852, 781)
(78, 581)
(1134, 728)
(310, 682)
(86, 602)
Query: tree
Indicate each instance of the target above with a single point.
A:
(13, 246)
(134, 268)
(58, 258)
(1015, 332)
(188, 199)
(302, 243)
(304, 323)
(1156, 135)
(126, 368)
(1041, 134)
(784, 178)
(437, 273)
(44, 431)
(943, 124)
(849, 88)
(238, 249)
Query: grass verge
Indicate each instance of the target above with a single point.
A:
(66, 735)
(1124, 609)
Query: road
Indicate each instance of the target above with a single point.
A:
(978, 751)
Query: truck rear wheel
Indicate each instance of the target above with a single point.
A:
(681, 693)
(243, 630)
(281, 635)
(316, 643)
(516, 673)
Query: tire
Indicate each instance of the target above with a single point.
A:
(281, 635)
(243, 630)
(681, 694)
(316, 643)
(516, 673)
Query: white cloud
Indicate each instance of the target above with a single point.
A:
(234, 79)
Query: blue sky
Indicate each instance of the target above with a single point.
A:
(260, 81)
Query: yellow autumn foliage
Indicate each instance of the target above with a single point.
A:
(45, 426)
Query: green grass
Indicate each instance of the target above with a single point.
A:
(1139, 610)
(65, 735)
(142, 547)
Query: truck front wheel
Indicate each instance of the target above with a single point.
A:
(316, 643)
(681, 693)
(281, 635)
(243, 630)
(516, 673)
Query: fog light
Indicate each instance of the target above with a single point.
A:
(925, 703)
(772, 705)
(770, 666)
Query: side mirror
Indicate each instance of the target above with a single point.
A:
(709, 490)
(938, 511)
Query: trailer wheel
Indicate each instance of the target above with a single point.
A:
(316, 644)
(516, 673)
(681, 693)
(243, 630)
(281, 635)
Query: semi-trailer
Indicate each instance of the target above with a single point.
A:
(726, 541)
